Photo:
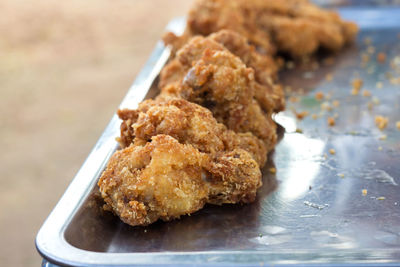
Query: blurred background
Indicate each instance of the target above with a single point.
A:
(64, 68)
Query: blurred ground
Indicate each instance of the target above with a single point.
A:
(64, 68)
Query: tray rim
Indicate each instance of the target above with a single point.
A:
(53, 247)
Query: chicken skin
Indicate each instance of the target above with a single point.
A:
(164, 179)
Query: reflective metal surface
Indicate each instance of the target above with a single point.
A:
(325, 208)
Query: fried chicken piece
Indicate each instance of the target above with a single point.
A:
(221, 82)
(296, 27)
(264, 66)
(165, 179)
(188, 123)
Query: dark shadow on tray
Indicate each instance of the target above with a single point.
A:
(212, 228)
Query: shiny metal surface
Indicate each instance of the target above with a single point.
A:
(312, 211)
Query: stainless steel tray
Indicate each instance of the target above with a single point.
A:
(311, 212)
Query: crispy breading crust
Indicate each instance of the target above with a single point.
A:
(187, 122)
(296, 27)
(165, 179)
(218, 80)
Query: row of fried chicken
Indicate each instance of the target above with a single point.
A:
(204, 138)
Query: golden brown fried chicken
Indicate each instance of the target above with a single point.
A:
(296, 27)
(188, 123)
(216, 79)
(164, 179)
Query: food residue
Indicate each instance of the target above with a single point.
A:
(380, 198)
(364, 192)
(319, 96)
(357, 84)
(272, 170)
(381, 57)
(331, 121)
(301, 115)
(398, 125)
(366, 93)
(381, 122)
(332, 151)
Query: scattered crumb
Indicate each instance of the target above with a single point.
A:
(336, 103)
(319, 96)
(370, 106)
(332, 151)
(354, 91)
(381, 122)
(331, 121)
(329, 77)
(371, 49)
(367, 40)
(376, 101)
(272, 170)
(288, 89)
(294, 99)
(366, 93)
(341, 175)
(364, 192)
(326, 106)
(336, 115)
(380, 148)
(301, 115)
(357, 84)
(315, 116)
(381, 57)
(364, 59)
(379, 85)
(298, 130)
(383, 137)
(380, 198)
(398, 125)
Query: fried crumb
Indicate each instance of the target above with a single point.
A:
(381, 57)
(336, 103)
(398, 125)
(381, 122)
(376, 101)
(301, 115)
(315, 116)
(332, 151)
(366, 93)
(380, 198)
(298, 130)
(329, 77)
(331, 121)
(326, 106)
(383, 137)
(379, 85)
(272, 170)
(341, 175)
(294, 99)
(364, 59)
(371, 49)
(364, 192)
(380, 148)
(367, 40)
(319, 96)
(357, 84)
